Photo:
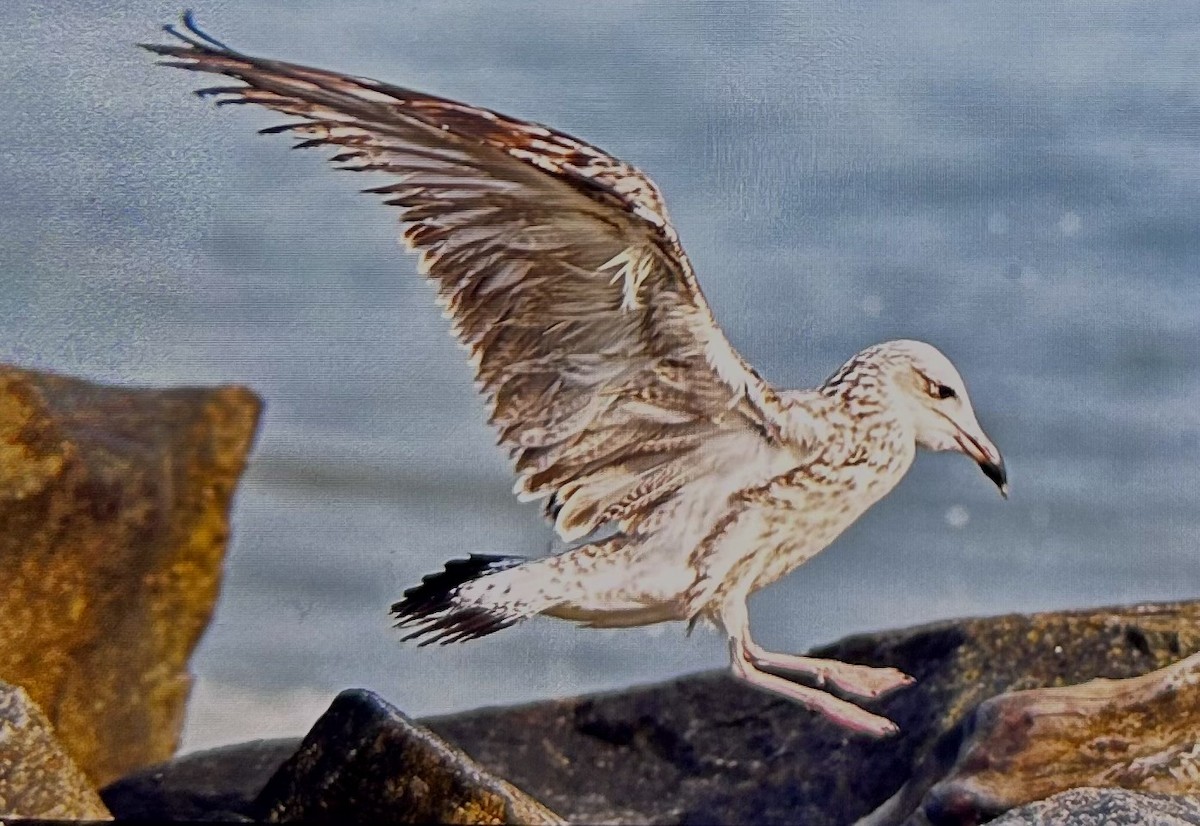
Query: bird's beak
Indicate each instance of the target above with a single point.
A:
(986, 456)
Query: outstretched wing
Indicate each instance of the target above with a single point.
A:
(559, 269)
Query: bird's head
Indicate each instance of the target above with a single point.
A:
(940, 410)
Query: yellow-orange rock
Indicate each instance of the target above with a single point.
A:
(113, 525)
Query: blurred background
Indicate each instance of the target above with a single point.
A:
(1016, 183)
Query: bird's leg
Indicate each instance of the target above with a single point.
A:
(736, 622)
(860, 680)
(840, 711)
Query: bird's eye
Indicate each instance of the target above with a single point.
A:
(944, 391)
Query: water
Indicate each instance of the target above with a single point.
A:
(1015, 183)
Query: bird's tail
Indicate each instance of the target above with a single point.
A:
(439, 611)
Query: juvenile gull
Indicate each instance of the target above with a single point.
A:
(684, 480)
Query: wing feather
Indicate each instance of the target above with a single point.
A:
(559, 270)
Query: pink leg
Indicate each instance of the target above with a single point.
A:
(745, 657)
(839, 711)
(861, 680)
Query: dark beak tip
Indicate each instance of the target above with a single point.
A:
(998, 474)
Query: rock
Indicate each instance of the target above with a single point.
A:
(707, 748)
(218, 783)
(365, 762)
(37, 778)
(1106, 807)
(1115, 643)
(1140, 733)
(114, 503)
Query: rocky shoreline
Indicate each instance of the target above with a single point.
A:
(116, 501)
(1000, 719)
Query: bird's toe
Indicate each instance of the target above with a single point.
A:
(881, 681)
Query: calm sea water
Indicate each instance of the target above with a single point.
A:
(1016, 183)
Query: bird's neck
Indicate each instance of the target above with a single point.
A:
(867, 412)
(864, 388)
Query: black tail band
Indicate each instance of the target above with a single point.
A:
(431, 608)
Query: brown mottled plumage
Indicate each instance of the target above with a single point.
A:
(622, 404)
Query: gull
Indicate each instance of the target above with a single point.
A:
(682, 481)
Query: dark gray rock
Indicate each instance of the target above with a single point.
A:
(365, 762)
(1106, 807)
(37, 778)
(218, 783)
(707, 749)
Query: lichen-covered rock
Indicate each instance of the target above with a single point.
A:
(37, 778)
(365, 762)
(708, 749)
(1140, 733)
(114, 503)
(1106, 807)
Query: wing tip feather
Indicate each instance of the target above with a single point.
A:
(193, 35)
(194, 42)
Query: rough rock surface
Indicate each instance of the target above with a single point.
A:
(218, 783)
(1139, 733)
(365, 762)
(706, 748)
(114, 505)
(37, 778)
(1106, 807)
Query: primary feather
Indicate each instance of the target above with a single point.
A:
(559, 269)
